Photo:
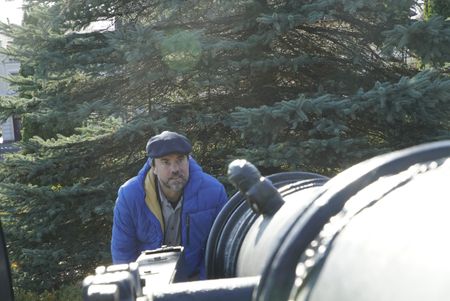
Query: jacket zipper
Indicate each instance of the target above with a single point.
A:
(188, 225)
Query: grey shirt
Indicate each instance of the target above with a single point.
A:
(172, 235)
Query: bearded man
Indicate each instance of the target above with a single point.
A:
(170, 202)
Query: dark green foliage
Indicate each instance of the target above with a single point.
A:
(437, 7)
(309, 85)
(430, 41)
(335, 131)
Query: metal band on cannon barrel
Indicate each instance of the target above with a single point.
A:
(237, 218)
(286, 270)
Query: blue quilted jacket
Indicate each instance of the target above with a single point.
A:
(138, 219)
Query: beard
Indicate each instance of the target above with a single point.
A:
(175, 183)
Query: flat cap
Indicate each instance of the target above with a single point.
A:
(168, 143)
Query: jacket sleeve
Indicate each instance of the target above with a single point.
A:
(222, 199)
(124, 240)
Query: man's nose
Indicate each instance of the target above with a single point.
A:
(174, 168)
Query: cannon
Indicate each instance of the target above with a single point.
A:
(376, 231)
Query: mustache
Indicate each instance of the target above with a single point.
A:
(177, 176)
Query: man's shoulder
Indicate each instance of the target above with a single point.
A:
(131, 184)
(204, 184)
(132, 190)
(207, 180)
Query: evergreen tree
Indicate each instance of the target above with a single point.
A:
(436, 7)
(310, 85)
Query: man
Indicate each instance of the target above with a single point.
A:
(170, 202)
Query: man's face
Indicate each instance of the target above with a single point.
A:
(172, 171)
